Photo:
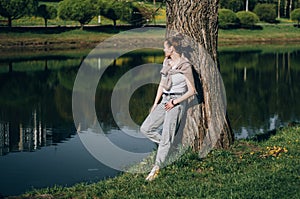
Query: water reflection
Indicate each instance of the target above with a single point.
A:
(36, 94)
(262, 89)
(36, 105)
(35, 102)
(36, 116)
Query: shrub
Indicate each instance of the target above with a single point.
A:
(266, 12)
(227, 18)
(247, 18)
(82, 11)
(295, 15)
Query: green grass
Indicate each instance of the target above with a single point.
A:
(270, 33)
(263, 48)
(61, 39)
(250, 169)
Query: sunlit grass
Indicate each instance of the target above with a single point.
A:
(248, 170)
(270, 33)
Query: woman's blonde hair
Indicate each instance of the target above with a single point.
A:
(176, 41)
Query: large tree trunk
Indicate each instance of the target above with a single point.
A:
(206, 125)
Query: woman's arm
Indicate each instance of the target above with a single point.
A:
(190, 91)
(158, 96)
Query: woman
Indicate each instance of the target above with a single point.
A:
(176, 86)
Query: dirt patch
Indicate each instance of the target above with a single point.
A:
(243, 147)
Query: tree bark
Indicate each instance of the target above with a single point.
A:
(46, 22)
(285, 7)
(9, 22)
(278, 9)
(206, 125)
(290, 8)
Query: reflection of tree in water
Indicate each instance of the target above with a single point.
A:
(242, 61)
(270, 88)
(36, 106)
(141, 102)
(112, 74)
(28, 112)
(63, 102)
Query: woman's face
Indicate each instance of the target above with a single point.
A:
(167, 49)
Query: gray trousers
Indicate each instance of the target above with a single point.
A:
(168, 120)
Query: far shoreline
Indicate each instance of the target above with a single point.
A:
(71, 37)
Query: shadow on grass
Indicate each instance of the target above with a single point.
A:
(265, 136)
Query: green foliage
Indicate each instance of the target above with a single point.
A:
(235, 5)
(115, 10)
(143, 13)
(82, 11)
(266, 12)
(247, 19)
(227, 18)
(295, 15)
(47, 12)
(15, 9)
(50, 0)
(135, 13)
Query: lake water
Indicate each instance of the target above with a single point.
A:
(39, 144)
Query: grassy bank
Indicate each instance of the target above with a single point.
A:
(267, 168)
(63, 37)
(280, 33)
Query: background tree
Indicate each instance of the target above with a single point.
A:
(206, 124)
(47, 12)
(234, 5)
(287, 8)
(15, 9)
(82, 11)
(265, 12)
(278, 8)
(135, 13)
(295, 15)
(142, 14)
(115, 10)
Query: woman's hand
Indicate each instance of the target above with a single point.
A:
(169, 105)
